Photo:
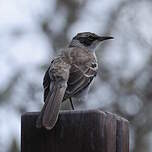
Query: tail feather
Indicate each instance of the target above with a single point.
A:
(50, 110)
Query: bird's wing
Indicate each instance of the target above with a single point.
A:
(46, 83)
(80, 78)
(55, 84)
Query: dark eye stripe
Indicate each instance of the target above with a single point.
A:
(91, 38)
(86, 41)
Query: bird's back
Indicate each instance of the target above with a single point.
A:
(83, 69)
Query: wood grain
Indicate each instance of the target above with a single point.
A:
(76, 131)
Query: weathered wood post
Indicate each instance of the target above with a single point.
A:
(76, 131)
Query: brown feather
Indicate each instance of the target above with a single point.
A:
(68, 75)
(55, 84)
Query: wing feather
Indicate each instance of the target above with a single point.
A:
(79, 80)
(55, 84)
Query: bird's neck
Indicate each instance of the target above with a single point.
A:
(80, 45)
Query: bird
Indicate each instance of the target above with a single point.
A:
(69, 75)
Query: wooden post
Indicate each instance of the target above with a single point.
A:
(76, 131)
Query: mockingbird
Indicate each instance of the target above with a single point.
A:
(69, 75)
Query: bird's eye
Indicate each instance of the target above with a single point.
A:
(91, 38)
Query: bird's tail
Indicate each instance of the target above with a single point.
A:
(49, 113)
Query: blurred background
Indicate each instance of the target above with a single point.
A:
(32, 33)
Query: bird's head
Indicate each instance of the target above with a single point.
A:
(88, 40)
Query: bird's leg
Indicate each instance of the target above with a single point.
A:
(71, 103)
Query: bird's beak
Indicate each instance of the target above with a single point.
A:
(102, 38)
